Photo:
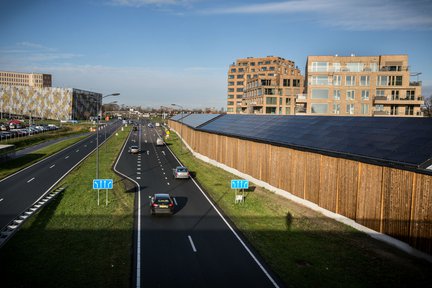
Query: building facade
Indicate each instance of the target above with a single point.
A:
(48, 103)
(265, 85)
(25, 79)
(361, 86)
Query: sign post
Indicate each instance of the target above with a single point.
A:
(103, 184)
(237, 185)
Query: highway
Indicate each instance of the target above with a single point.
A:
(21, 190)
(195, 247)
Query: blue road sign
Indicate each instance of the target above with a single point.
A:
(239, 184)
(102, 183)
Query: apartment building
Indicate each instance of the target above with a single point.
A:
(25, 79)
(361, 86)
(266, 85)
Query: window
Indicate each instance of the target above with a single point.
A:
(230, 103)
(296, 82)
(350, 94)
(336, 67)
(230, 83)
(271, 100)
(319, 80)
(409, 110)
(286, 82)
(270, 110)
(373, 67)
(319, 94)
(240, 76)
(287, 110)
(267, 62)
(364, 109)
(252, 64)
(239, 90)
(319, 108)
(230, 109)
(272, 68)
(263, 68)
(410, 94)
(230, 89)
(230, 76)
(350, 109)
(233, 70)
(355, 67)
(230, 96)
(349, 80)
(319, 66)
(288, 101)
(365, 94)
(382, 81)
(379, 108)
(398, 81)
(239, 96)
(395, 95)
(269, 91)
(380, 93)
(241, 70)
(393, 110)
(336, 94)
(240, 82)
(337, 79)
(364, 80)
(336, 108)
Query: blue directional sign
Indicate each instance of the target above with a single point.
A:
(102, 183)
(239, 184)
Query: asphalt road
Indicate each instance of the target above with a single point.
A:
(21, 190)
(195, 247)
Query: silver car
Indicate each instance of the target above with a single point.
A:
(133, 150)
(181, 172)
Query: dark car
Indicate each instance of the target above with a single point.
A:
(161, 204)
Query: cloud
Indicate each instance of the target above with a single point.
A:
(346, 14)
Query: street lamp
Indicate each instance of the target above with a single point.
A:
(181, 127)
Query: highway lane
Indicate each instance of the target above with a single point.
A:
(195, 247)
(22, 189)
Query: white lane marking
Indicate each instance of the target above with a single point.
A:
(138, 172)
(77, 150)
(163, 152)
(139, 165)
(168, 183)
(166, 178)
(162, 169)
(52, 166)
(145, 141)
(138, 177)
(1, 199)
(66, 157)
(192, 243)
(85, 145)
(164, 173)
(91, 141)
(175, 201)
(30, 180)
(148, 152)
(138, 168)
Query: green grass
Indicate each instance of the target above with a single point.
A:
(302, 246)
(11, 166)
(73, 242)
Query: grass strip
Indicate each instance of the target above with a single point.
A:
(11, 166)
(73, 242)
(302, 246)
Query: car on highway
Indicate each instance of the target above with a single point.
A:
(133, 149)
(159, 142)
(181, 172)
(161, 203)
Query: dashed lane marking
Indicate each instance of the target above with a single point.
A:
(52, 166)
(66, 157)
(30, 180)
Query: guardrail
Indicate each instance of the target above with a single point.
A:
(13, 226)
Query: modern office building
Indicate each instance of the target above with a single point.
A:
(265, 85)
(361, 86)
(48, 103)
(25, 79)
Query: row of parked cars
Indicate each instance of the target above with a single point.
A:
(25, 131)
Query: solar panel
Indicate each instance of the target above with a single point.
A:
(179, 116)
(406, 141)
(195, 120)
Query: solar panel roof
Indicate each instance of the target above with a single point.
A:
(179, 116)
(402, 141)
(195, 120)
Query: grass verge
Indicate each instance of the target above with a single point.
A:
(302, 246)
(73, 242)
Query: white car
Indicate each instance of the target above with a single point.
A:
(133, 150)
(159, 142)
(181, 172)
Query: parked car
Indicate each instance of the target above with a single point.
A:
(133, 150)
(181, 172)
(161, 204)
(159, 142)
(150, 125)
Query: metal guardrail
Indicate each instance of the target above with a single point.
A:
(13, 226)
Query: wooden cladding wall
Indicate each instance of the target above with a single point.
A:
(389, 200)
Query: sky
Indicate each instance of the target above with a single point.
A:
(162, 52)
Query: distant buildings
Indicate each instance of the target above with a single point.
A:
(335, 85)
(263, 86)
(24, 95)
(25, 79)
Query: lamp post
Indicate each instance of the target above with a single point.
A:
(181, 122)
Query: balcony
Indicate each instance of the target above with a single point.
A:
(301, 98)
(384, 100)
(380, 113)
(415, 83)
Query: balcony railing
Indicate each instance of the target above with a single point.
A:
(415, 83)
